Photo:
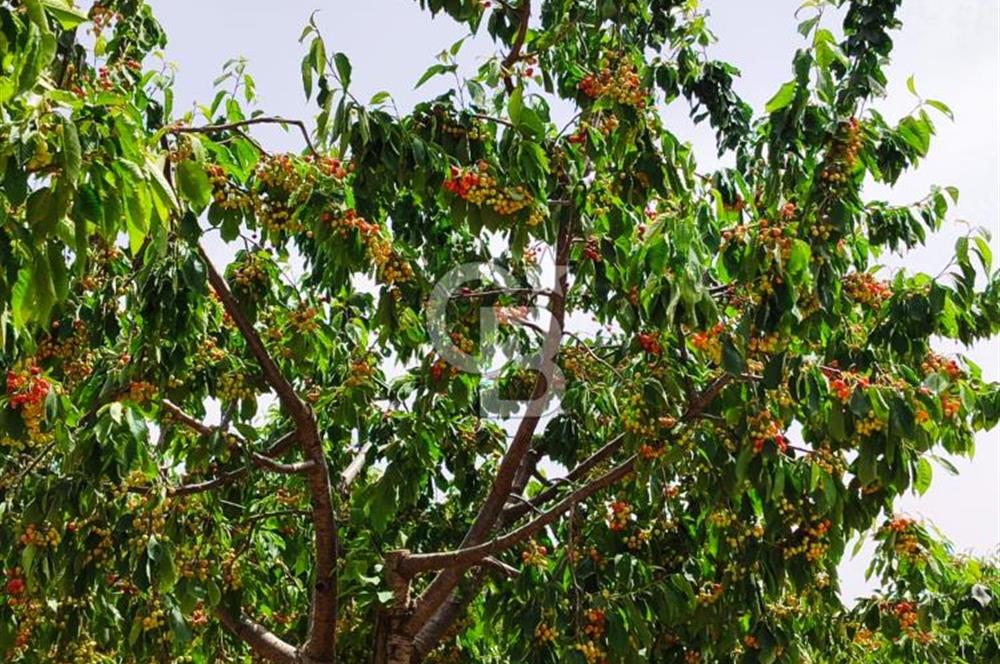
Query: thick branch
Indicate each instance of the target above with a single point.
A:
(437, 626)
(235, 126)
(320, 645)
(510, 466)
(514, 512)
(465, 557)
(263, 642)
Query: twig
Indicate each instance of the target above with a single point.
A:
(234, 126)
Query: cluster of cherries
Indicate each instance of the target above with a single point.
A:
(650, 342)
(906, 613)
(592, 653)
(866, 289)
(843, 153)
(535, 554)
(618, 80)
(479, 188)
(709, 342)
(620, 517)
(907, 544)
(812, 543)
(234, 386)
(763, 428)
(28, 391)
(389, 266)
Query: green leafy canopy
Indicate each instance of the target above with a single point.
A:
(278, 459)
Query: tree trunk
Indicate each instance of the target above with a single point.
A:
(391, 645)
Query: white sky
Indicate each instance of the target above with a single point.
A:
(952, 47)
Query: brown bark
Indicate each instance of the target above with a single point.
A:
(320, 645)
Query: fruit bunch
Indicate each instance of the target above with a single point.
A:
(710, 593)
(141, 392)
(843, 383)
(592, 249)
(75, 355)
(390, 268)
(935, 363)
(534, 554)
(27, 391)
(869, 425)
(234, 386)
(331, 167)
(360, 371)
(479, 188)
(620, 516)
(763, 428)
(906, 614)
(278, 189)
(811, 543)
(766, 344)
(618, 81)
(545, 634)
(592, 653)
(595, 626)
(710, 343)
(865, 289)
(636, 541)
(842, 155)
(950, 406)
(224, 192)
(101, 17)
(40, 537)
(650, 342)
(303, 319)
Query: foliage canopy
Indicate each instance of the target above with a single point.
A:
(746, 394)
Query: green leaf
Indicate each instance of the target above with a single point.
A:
(307, 76)
(784, 97)
(343, 69)
(72, 158)
(925, 474)
(732, 360)
(434, 70)
(515, 104)
(68, 16)
(194, 184)
(941, 107)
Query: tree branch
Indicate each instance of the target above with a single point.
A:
(354, 468)
(320, 644)
(515, 512)
(510, 465)
(515, 49)
(235, 126)
(465, 557)
(263, 642)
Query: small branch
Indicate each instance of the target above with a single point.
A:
(253, 518)
(501, 567)
(500, 121)
(260, 460)
(263, 642)
(515, 48)
(235, 126)
(282, 468)
(354, 469)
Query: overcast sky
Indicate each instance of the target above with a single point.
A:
(952, 47)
